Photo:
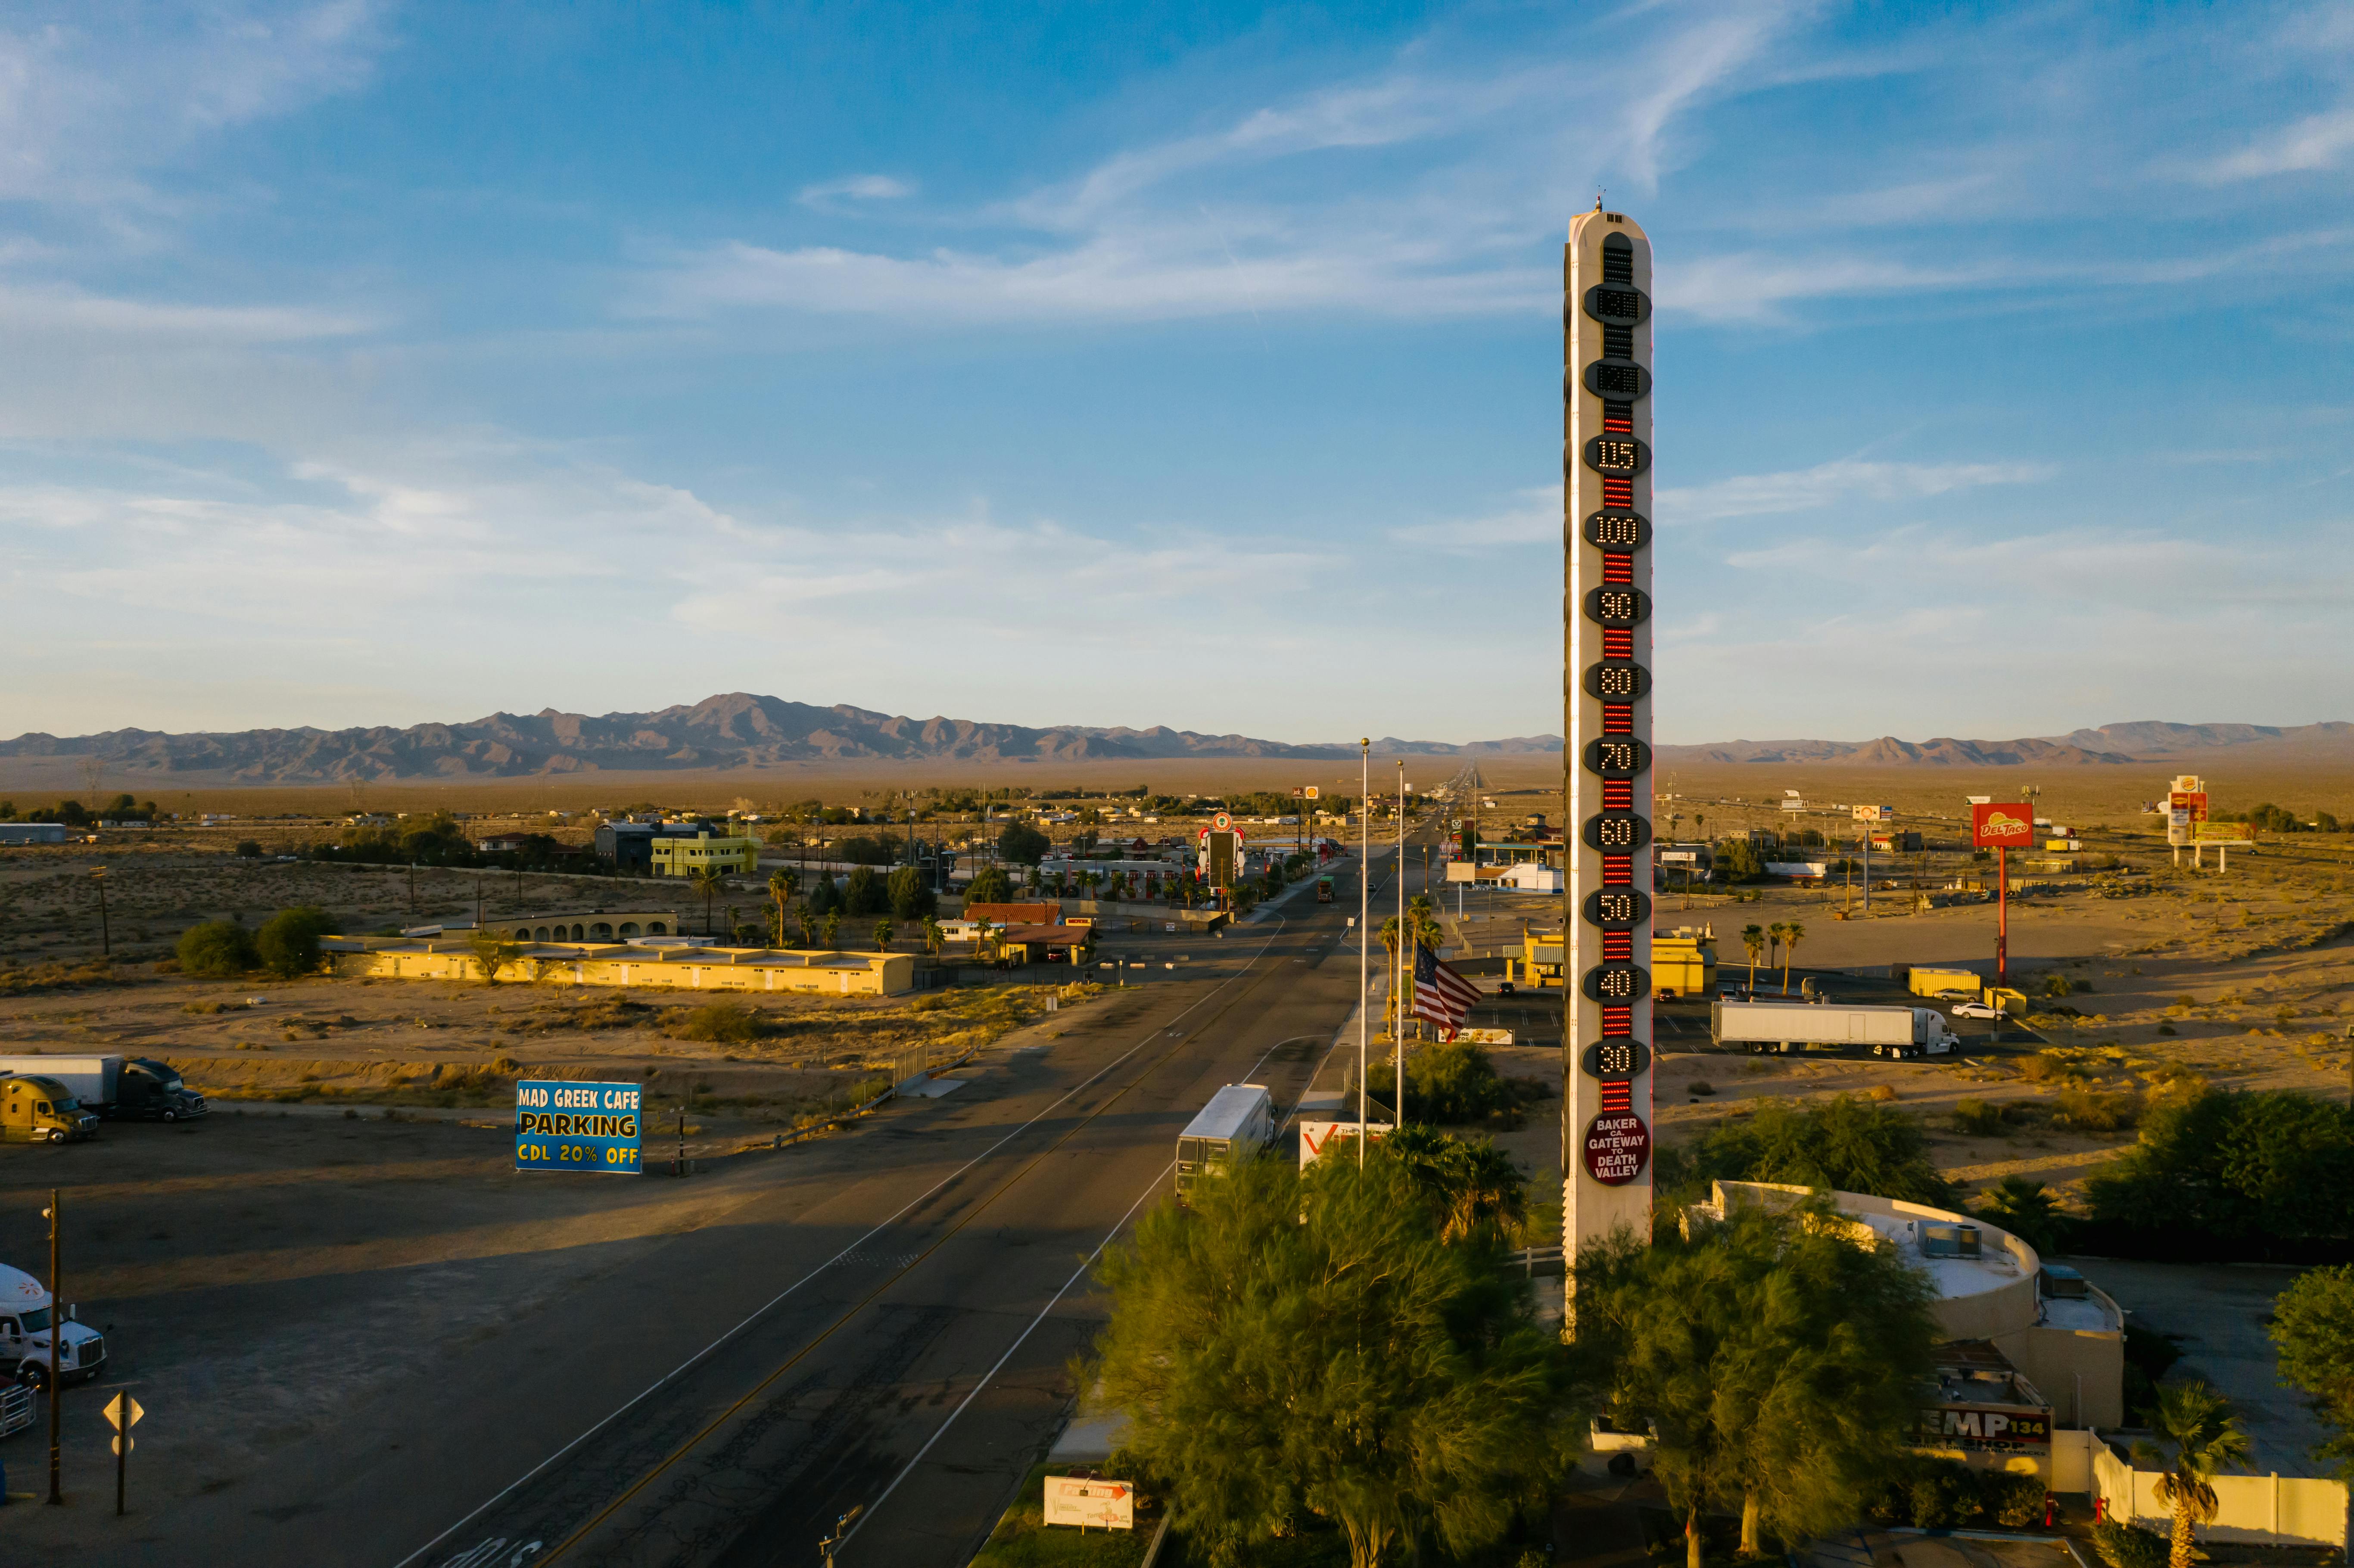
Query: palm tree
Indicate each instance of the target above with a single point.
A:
(781, 886)
(1774, 945)
(2207, 1440)
(883, 935)
(980, 929)
(1753, 938)
(832, 928)
(1389, 934)
(932, 935)
(707, 880)
(1790, 935)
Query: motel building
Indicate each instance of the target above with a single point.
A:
(2029, 1373)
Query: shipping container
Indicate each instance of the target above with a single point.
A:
(1781, 1027)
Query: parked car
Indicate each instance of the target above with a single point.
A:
(1976, 1010)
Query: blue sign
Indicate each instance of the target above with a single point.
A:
(578, 1127)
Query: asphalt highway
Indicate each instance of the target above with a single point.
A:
(881, 1321)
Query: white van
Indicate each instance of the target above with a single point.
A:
(26, 1314)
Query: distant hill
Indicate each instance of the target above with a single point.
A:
(740, 731)
(719, 734)
(2147, 740)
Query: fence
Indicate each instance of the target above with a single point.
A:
(2265, 1510)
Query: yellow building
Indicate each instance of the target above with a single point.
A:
(685, 856)
(1684, 961)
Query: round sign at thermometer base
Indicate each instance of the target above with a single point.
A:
(1617, 1148)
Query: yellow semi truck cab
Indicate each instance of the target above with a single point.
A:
(34, 1109)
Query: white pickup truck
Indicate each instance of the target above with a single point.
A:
(1779, 1027)
(27, 1325)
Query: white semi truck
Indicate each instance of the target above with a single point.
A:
(1237, 1123)
(135, 1088)
(28, 1327)
(1780, 1027)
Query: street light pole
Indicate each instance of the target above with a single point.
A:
(1397, 989)
(105, 939)
(1365, 917)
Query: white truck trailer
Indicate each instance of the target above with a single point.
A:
(131, 1088)
(1237, 1123)
(1780, 1027)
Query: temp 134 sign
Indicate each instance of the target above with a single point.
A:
(579, 1127)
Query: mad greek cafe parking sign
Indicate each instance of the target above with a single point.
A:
(578, 1127)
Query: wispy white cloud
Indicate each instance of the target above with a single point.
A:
(66, 311)
(1532, 518)
(1829, 484)
(857, 187)
(2316, 142)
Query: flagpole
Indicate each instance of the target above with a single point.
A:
(1398, 992)
(1364, 916)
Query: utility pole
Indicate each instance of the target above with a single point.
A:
(1364, 935)
(105, 940)
(55, 1385)
(1398, 989)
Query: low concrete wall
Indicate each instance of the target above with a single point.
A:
(686, 969)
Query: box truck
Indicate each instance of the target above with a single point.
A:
(134, 1088)
(1779, 1027)
(28, 1324)
(1237, 1123)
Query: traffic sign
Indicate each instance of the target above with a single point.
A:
(122, 1444)
(123, 1411)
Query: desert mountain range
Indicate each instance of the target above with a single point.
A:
(741, 731)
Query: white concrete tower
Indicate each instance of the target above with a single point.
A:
(1607, 692)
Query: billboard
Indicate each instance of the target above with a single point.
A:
(2221, 833)
(2004, 1429)
(1084, 1501)
(1875, 813)
(1996, 826)
(563, 1125)
(1315, 1135)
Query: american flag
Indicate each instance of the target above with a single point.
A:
(1440, 994)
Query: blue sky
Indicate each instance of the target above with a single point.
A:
(1134, 364)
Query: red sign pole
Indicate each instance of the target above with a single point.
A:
(2001, 916)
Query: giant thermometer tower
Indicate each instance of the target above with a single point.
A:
(1606, 682)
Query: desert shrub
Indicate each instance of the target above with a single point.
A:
(718, 1024)
(217, 948)
(2123, 1545)
(2015, 1501)
(1976, 1119)
(2088, 1112)
(287, 942)
(1933, 1493)
(1702, 1087)
(248, 849)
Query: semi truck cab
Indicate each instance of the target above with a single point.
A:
(27, 1325)
(41, 1111)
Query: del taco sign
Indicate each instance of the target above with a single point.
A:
(2001, 827)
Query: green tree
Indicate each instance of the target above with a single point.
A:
(782, 885)
(2027, 1209)
(491, 951)
(990, 887)
(708, 880)
(217, 949)
(2313, 1327)
(287, 942)
(864, 894)
(832, 929)
(2236, 1171)
(1304, 1343)
(1792, 934)
(1779, 1358)
(823, 897)
(1737, 860)
(910, 892)
(883, 930)
(1845, 1143)
(1753, 938)
(1022, 844)
(2198, 1438)
(1470, 1183)
(932, 935)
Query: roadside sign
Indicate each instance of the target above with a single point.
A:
(1085, 1501)
(1315, 1135)
(1617, 1147)
(121, 1445)
(1485, 1037)
(563, 1125)
(123, 1411)
(2001, 826)
(1315, 792)
(1874, 814)
(2221, 833)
